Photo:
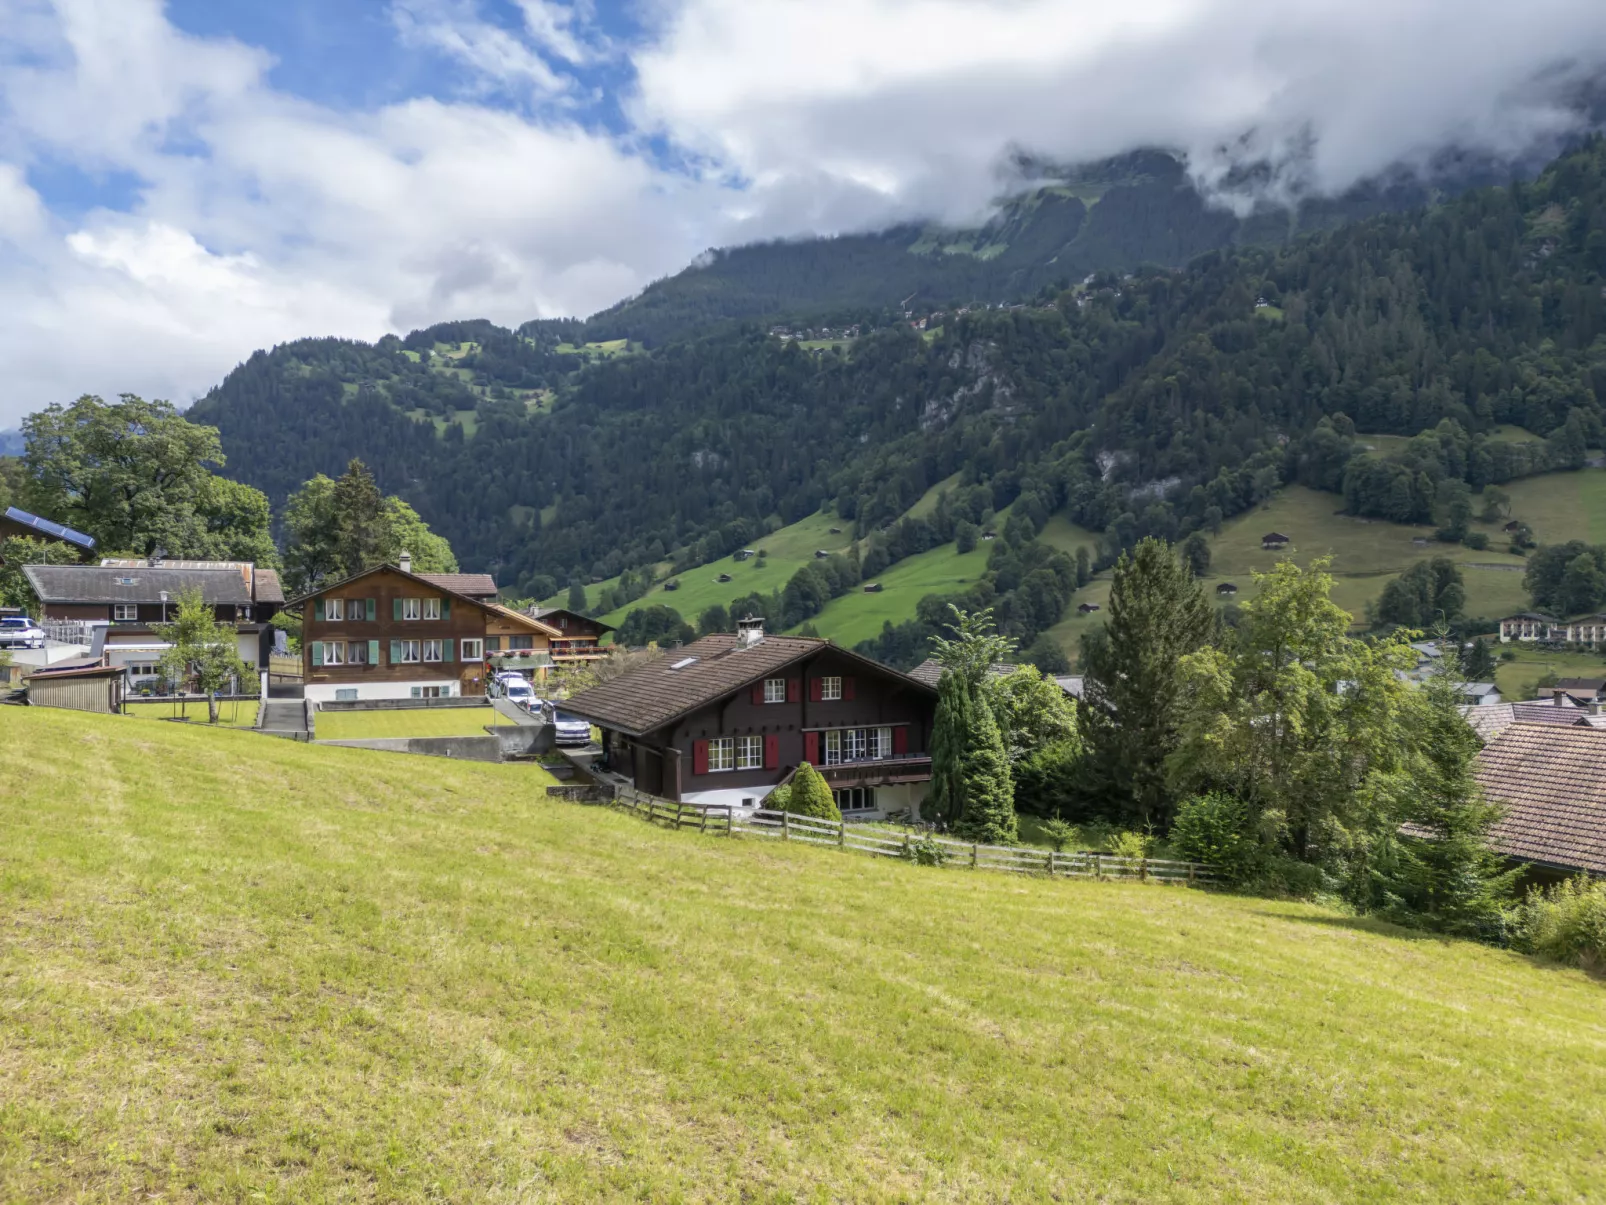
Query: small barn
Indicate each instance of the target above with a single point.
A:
(873, 588)
(723, 577)
(97, 688)
(672, 584)
(1087, 608)
(1273, 540)
(1226, 589)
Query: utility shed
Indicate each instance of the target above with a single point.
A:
(97, 688)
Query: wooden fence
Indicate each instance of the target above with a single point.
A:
(929, 849)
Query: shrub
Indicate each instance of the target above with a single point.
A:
(1044, 779)
(1059, 833)
(1131, 845)
(1219, 830)
(1567, 923)
(779, 800)
(1476, 540)
(924, 852)
(809, 796)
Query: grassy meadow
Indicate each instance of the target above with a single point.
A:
(443, 721)
(1518, 677)
(242, 714)
(236, 968)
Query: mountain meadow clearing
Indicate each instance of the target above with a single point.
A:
(237, 968)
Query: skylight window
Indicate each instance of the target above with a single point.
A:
(684, 662)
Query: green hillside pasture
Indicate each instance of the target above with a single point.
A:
(433, 721)
(928, 501)
(240, 968)
(789, 549)
(1561, 506)
(1517, 679)
(1059, 532)
(859, 616)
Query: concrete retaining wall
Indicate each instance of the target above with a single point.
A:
(408, 704)
(464, 748)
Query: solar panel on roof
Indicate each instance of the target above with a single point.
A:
(58, 530)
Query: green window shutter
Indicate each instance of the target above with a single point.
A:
(373, 645)
(317, 610)
(317, 650)
(370, 610)
(395, 608)
(446, 608)
(395, 652)
(448, 650)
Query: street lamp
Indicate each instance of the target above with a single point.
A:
(163, 597)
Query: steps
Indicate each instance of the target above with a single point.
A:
(286, 718)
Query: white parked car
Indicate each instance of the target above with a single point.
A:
(571, 729)
(20, 632)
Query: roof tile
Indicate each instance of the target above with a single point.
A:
(1551, 781)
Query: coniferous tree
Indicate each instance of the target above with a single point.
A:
(810, 795)
(577, 597)
(949, 736)
(1158, 613)
(988, 815)
(1478, 663)
(364, 534)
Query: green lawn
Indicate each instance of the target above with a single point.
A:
(1562, 506)
(445, 721)
(235, 968)
(1518, 678)
(235, 715)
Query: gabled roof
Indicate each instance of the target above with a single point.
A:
(50, 528)
(929, 671)
(267, 587)
(434, 582)
(98, 584)
(544, 613)
(700, 673)
(475, 585)
(1531, 616)
(519, 617)
(1552, 783)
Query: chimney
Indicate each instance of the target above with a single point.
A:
(749, 632)
(406, 561)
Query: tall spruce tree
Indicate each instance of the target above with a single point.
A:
(950, 729)
(1158, 614)
(364, 532)
(988, 815)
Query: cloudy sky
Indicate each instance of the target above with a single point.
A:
(182, 183)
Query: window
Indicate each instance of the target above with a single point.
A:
(409, 650)
(334, 609)
(830, 689)
(432, 650)
(855, 744)
(242, 613)
(880, 742)
(517, 643)
(749, 753)
(563, 623)
(357, 652)
(722, 754)
(432, 608)
(412, 608)
(855, 799)
(473, 650)
(346, 694)
(833, 748)
(334, 653)
(122, 611)
(431, 692)
(493, 644)
(775, 690)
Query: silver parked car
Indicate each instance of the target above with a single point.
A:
(20, 632)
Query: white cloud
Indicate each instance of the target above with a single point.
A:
(261, 216)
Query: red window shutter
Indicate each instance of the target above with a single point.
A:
(900, 741)
(848, 685)
(772, 752)
(794, 690)
(816, 689)
(699, 757)
(758, 693)
(811, 748)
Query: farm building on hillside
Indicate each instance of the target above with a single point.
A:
(1273, 540)
(1226, 588)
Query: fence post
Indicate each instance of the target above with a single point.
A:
(975, 853)
(1098, 867)
(1190, 874)
(1143, 870)
(703, 828)
(841, 834)
(1051, 863)
(677, 817)
(730, 820)
(786, 826)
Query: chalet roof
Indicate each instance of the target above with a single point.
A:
(268, 588)
(1489, 719)
(475, 585)
(1532, 616)
(929, 671)
(519, 617)
(99, 584)
(1552, 783)
(553, 612)
(700, 673)
(1273, 535)
(77, 671)
(437, 581)
(49, 528)
(1595, 684)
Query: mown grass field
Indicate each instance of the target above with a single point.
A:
(444, 721)
(1518, 678)
(859, 616)
(235, 968)
(235, 715)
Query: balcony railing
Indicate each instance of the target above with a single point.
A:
(910, 767)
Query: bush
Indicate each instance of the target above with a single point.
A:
(779, 800)
(1567, 923)
(1476, 540)
(1219, 830)
(1044, 778)
(924, 852)
(1132, 845)
(809, 796)
(1059, 833)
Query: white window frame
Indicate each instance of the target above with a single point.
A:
(410, 652)
(122, 612)
(750, 753)
(831, 689)
(432, 608)
(334, 652)
(880, 743)
(774, 690)
(334, 610)
(432, 650)
(721, 754)
(833, 747)
(357, 652)
(412, 608)
(473, 649)
(855, 745)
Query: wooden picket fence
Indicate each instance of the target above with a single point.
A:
(930, 849)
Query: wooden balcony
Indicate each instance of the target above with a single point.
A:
(883, 772)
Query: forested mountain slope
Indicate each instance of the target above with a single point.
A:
(1159, 403)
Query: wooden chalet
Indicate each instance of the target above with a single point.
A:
(578, 638)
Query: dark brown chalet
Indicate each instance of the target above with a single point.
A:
(579, 636)
(726, 718)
